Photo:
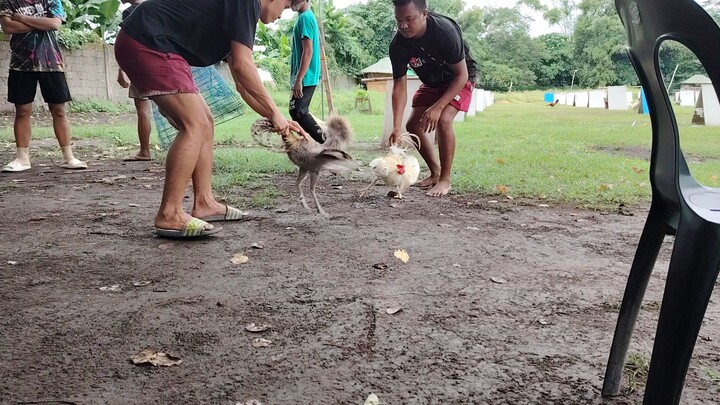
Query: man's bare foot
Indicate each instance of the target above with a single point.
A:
(440, 189)
(213, 208)
(428, 182)
(172, 222)
(140, 157)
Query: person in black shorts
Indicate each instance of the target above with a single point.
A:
(35, 58)
(432, 46)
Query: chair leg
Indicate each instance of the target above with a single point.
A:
(691, 277)
(640, 271)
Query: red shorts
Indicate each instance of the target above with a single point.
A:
(153, 73)
(426, 96)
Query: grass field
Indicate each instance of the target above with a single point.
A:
(518, 147)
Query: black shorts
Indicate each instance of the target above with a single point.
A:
(22, 87)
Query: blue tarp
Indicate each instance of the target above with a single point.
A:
(549, 97)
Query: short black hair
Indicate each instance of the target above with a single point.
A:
(420, 4)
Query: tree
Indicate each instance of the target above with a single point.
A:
(373, 25)
(600, 46)
(556, 66)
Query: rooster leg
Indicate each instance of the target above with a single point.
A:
(298, 183)
(313, 180)
(365, 190)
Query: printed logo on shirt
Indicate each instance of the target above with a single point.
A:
(415, 62)
(34, 10)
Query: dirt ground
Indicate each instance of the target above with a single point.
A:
(502, 301)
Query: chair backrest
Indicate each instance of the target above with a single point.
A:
(648, 23)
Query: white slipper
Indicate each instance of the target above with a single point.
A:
(73, 164)
(15, 166)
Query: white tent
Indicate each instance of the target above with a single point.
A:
(473, 104)
(687, 98)
(617, 97)
(708, 105)
(581, 99)
(596, 99)
(480, 105)
(570, 99)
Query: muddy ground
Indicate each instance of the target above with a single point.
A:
(506, 302)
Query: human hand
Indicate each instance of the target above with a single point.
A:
(122, 79)
(430, 118)
(17, 17)
(394, 137)
(297, 90)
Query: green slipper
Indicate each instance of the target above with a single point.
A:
(193, 228)
(231, 214)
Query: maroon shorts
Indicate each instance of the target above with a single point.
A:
(153, 73)
(426, 96)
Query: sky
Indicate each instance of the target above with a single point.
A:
(538, 27)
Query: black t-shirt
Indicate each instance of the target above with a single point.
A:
(198, 30)
(128, 11)
(430, 56)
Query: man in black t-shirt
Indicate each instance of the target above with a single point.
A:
(432, 46)
(156, 46)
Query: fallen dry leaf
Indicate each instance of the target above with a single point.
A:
(402, 255)
(637, 170)
(239, 259)
(372, 399)
(258, 245)
(141, 283)
(502, 189)
(500, 161)
(498, 280)
(393, 310)
(714, 179)
(133, 205)
(166, 246)
(113, 288)
(155, 358)
(260, 342)
(604, 187)
(543, 321)
(11, 262)
(255, 328)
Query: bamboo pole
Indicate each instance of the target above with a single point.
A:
(323, 68)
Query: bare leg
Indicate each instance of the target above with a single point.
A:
(446, 146)
(313, 181)
(22, 129)
(426, 147)
(204, 203)
(21, 126)
(188, 111)
(144, 112)
(298, 183)
(60, 124)
(62, 133)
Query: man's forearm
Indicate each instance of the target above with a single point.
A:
(39, 23)
(399, 99)
(250, 87)
(11, 27)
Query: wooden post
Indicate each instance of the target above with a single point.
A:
(323, 68)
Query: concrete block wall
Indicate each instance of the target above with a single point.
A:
(91, 73)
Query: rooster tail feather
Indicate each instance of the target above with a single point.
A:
(337, 160)
(338, 133)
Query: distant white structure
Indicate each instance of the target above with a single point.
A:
(413, 84)
(617, 98)
(480, 104)
(570, 99)
(708, 106)
(687, 98)
(582, 99)
(596, 99)
(560, 98)
(473, 104)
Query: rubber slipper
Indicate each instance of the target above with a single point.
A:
(15, 166)
(73, 164)
(231, 214)
(193, 228)
(137, 159)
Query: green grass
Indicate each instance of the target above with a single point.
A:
(519, 147)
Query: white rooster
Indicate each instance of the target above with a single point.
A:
(398, 168)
